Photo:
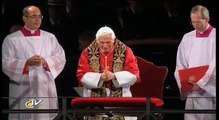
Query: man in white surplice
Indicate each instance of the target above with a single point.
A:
(198, 48)
(32, 59)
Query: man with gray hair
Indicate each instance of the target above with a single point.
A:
(198, 48)
(107, 68)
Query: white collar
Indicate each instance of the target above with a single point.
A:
(31, 31)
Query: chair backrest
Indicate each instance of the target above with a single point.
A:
(152, 79)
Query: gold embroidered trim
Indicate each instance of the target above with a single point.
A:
(118, 63)
(93, 56)
(118, 56)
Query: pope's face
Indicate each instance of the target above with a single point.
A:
(106, 43)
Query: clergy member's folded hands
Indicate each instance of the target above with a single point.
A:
(36, 60)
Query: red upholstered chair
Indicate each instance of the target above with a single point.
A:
(152, 80)
(150, 86)
(151, 83)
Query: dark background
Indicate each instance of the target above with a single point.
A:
(151, 34)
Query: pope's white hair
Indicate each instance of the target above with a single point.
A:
(105, 31)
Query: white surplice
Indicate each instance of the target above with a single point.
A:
(196, 51)
(38, 84)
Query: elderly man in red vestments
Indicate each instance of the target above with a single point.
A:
(107, 68)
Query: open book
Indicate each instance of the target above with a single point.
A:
(195, 73)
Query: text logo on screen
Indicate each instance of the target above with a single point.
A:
(33, 102)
